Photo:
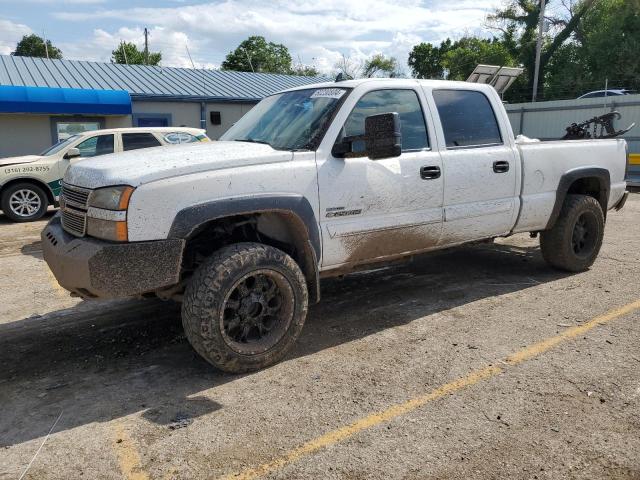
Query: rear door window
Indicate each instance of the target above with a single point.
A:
(134, 141)
(467, 118)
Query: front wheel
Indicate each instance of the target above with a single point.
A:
(575, 240)
(245, 307)
(24, 202)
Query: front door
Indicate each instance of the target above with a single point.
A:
(481, 168)
(377, 209)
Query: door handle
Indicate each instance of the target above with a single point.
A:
(429, 172)
(501, 166)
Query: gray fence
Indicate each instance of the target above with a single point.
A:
(548, 120)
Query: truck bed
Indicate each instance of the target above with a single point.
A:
(544, 163)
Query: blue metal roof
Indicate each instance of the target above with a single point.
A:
(142, 81)
(63, 100)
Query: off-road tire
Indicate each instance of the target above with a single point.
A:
(24, 186)
(556, 244)
(204, 306)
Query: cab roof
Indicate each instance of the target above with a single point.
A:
(194, 131)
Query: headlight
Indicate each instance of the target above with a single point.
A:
(107, 213)
(111, 198)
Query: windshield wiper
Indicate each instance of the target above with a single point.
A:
(251, 140)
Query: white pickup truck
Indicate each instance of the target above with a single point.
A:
(321, 181)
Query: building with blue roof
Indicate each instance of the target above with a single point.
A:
(40, 98)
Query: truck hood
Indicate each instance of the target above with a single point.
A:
(19, 160)
(137, 167)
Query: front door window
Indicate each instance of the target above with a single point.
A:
(94, 146)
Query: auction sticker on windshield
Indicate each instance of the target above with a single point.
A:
(328, 93)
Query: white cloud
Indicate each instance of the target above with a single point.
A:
(99, 47)
(318, 33)
(10, 35)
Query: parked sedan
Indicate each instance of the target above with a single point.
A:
(29, 184)
(612, 92)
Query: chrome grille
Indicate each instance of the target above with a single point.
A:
(74, 203)
(74, 221)
(75, 196)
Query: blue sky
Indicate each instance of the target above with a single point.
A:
(316, 33)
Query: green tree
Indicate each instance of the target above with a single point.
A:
(567, 74)
(256, 55)
(610, 42)
(464, 54)
(305, 71)
(34, 46)
(425, 60)
(128, 53)
(518, 22)
(380, 65)
(456, 60)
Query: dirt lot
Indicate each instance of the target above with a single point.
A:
(478, 362)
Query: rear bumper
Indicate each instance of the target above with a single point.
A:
(94, 268)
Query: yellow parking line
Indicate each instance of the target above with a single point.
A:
(343, 433)
(128, 456)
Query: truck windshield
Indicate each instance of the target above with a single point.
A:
(59, 146)
(289, 121)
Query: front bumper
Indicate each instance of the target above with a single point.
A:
(98, 269)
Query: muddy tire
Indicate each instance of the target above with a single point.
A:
(575, 240)
(245, 307)
(24, 202)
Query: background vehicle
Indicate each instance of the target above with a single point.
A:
(322, 181)
(615, 92)
(29, 184)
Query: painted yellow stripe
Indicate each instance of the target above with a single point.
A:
(634, 159)
(343, 433)
(128, 456)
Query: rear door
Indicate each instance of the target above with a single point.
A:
(373, 209)
(481, 167)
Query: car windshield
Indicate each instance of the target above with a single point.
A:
(289, 121)
(59, 146)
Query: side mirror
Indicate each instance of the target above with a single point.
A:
(73, 152)
(382, 136)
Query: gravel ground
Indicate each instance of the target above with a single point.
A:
(134, 401)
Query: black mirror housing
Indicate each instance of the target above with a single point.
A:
(382, 135)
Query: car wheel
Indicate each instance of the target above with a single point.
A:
(24, 202)
(245, 307)
(575, 240)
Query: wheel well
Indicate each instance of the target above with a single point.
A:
(33, 181)
(281, 230)
(593, 187)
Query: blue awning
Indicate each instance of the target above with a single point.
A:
(64, 101)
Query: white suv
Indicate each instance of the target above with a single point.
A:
(29, 184)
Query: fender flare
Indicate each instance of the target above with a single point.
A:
(188, 220)
(567, 179)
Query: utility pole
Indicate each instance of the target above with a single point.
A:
(124, 52)
(536, 74)
(46, 48)
(248, 58)
(146, 46)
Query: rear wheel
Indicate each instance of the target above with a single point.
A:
(575, 240)
(245, 307)
(24, 202)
